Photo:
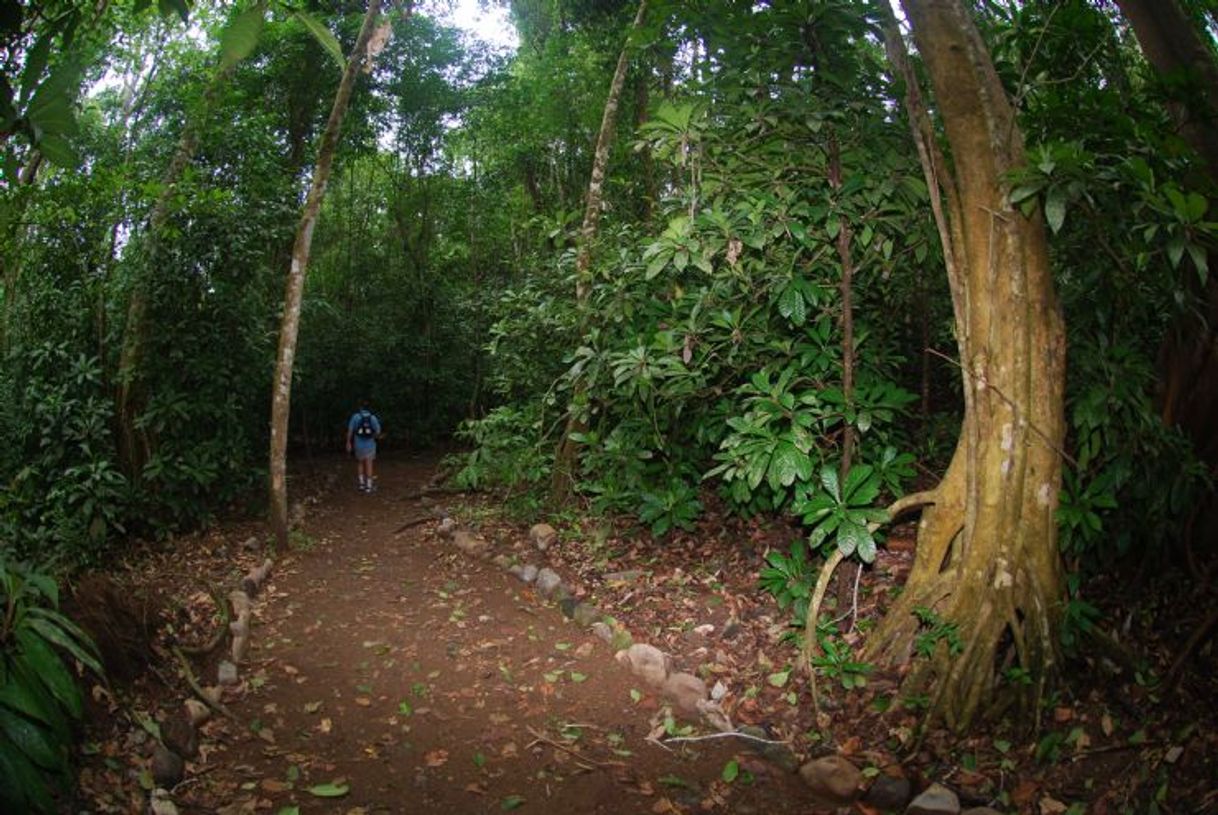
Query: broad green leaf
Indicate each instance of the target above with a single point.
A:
(324, 37)
(756, 469)
(288, 811)
(241, 36)
(22, 692)
(1025, 191)
(51, 112)
(46, 586)
(657, 265)
(23, 783)
(787, 465)
(1175, 251)
(35, 64)
(849, 536)
(779, 678)
(50, 670)
(511, 802)
(1200, 259)
(31, 740)
(1055, 209)
(61, 153)
(54, 632)
(331, 790)
(867, 548)
(792, 306)
(730, 771)
(828, 477)
(861, 485)
(863, 422)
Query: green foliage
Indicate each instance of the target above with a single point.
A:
(842, 515)
(39, 697)
(65, 495)
(676, 506)
(836, 662)
(789, 579)
(935, 630)
(507, 451)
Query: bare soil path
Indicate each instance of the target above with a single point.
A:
(420, 680)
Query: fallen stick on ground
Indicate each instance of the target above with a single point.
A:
(189, 674)
(725, 735)
(414, 522)
(542, 738)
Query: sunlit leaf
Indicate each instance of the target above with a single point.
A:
(331, 790)
(324, 37)
(241, 36)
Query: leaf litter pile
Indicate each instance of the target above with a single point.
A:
(388, 672)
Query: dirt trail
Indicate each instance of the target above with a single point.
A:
(424, 681)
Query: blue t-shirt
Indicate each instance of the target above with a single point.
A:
(363, 443)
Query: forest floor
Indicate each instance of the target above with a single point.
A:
(389, 672)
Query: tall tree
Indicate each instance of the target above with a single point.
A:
(987, 560)
(566, 458)
(371, 39)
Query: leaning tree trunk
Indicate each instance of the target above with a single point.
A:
(987, 560)
(281, 398)
(1188, 358)
(566, 457)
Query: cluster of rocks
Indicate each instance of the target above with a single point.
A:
(179, 733)
(833, 780)
(687, 692)
(836, 782)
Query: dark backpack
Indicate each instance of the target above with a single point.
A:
(365, 429)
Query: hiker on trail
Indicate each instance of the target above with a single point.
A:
(363, 429)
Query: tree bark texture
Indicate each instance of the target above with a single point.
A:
(566, 457)
(987, 561)
(281, 397)
(1188, 358)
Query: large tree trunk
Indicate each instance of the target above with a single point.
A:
(281, 398)
(987, 560)
(566, 458)
(1188, 358)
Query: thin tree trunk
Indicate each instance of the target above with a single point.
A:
(850, 568)
(987, 560)
(566, 458)
(290, 324)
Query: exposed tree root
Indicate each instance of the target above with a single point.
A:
(811, 645)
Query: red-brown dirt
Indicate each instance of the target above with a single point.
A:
(419, 680)
(423, 681)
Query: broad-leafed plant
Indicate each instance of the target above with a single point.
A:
(41, 651)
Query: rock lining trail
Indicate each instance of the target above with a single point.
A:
(389, 664)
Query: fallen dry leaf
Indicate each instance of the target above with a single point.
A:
(435, 758)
